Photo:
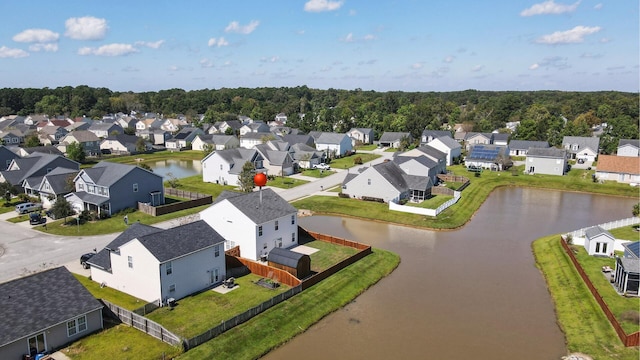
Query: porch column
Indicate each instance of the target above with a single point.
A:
(625, 277)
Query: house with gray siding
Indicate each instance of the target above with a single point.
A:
(581, 147)
(430, 135)
(521, 147)
(44, 312)
(628, 147)
(34, 165)
(6, 156)
(90, 142)
(549, 161)
(277, 162)
(109, 187)
(392, 139)
(50, 187)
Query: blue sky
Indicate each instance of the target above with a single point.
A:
(406, 45)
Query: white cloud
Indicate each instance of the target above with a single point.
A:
(322, 5)
(575, 35)
(174, 68)
(534, 66)
(217, 42)
(351, 38)
(449, 59)
(235, 27)
(109, 50)
(6, 52)
(348, 38)
(591, 56)
(49, 47)
(598, 6)
(549, 7)
(36, 36)
(416, 66)
(369, 37)
(150, 44)
(272, 59)
(86, 28)
(206, 63)
(477, 68)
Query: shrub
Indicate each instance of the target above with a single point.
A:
(357, 160)
(343, 195)
(631, 316)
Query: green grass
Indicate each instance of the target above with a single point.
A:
(585, 326)
(197, 313)
(195, 184)
(369, 147)
(472, 197)
(348, 161)
(19, 218)
(121, 342)
(626, 233)
(6, 207)
(431, 203)
(282, 322)
(317, 173)
(285, 182)
(111, 295)
(328, 255)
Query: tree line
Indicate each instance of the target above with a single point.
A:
(543, 115)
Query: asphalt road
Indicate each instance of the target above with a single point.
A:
(24, 250)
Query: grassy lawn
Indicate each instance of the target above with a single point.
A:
(432, 202)
(111, 295)
(349, 161)
(317, 173)
(6, 207)
(19, 218)
(369, 147)
(195, 184)
(120, 342)
(197, 313)
(328, 255)
(626, 233)
(472, 197)
(285, 182)
(586, 328)
(282, 322)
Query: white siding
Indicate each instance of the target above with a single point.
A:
(216, 170)
(597, 243)
(628, 150)
(371, 183)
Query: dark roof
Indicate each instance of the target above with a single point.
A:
(595, 231)
(526, 144)
(632, 142)
(633, 247)
(107, 173)
(123, 139)
(272, 206)
(58, 179)
(582, 142)
(91, 198)
(547, 152)
(389, 136)
(285, 257)
(486, 152)
(180, 240)
(436, 133)
(135, 230)
(36, 302)
(43, 149)
(500, 137)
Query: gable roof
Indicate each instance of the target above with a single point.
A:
(331, 138)
(526, 144)
(595, 231)
(31, 164)
(436, 133)
(631, 142)
(293, 139)
(618, 164)
(547, 152)
(470, 135)
(399, 179)
(486, 152)
(136, 230)
(58, 179)
(39, 301)
(500, 137)
(107, 173)
(272, 206)
(449, 142)
(582, 142)
(275, 157)
(123, 139)
(81, 136)
(181, 240)
(390, 136)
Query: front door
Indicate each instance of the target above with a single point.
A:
(37, 344)
(215, 276)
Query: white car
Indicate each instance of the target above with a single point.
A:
(322, 166)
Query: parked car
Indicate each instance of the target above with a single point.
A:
(322, 166)
(28, 207)
(84, 258)
(35, 219)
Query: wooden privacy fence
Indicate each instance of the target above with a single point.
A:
(270, 272)
(239, 319)
(142, 323)
(455, 178)
(338, 240)
(627, 340)
(195, 200)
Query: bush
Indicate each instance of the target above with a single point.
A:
(357, 160)
(343, 195)
(631, 316)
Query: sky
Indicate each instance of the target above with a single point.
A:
(380, 45)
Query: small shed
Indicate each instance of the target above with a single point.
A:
(598, 241)
(296, 264)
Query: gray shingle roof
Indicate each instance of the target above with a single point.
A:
(595, 231)
(631, 265)
(180, 240)
(40, 301)
(632, 142)
(547, 152)
(285, 257)
(272, 206)
(135, 230)
(526, 144)
(81, 136)
(107, 173)
(449, 142)
(58, 179)
(330, 138)
(436, 133)
(583, 142)
(389, 136)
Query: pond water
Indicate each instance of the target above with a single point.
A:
(176, 168)
(470, 293)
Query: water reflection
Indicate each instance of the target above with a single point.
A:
(177, 168)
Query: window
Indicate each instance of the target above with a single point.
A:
(220, 166)
(135, 187)
(368, 181)
(216, 250)
(276, 224)
(293, 219)
(264, 246)
(260, 230)
(130, 261)
(36, 344)
(293, 237)
(169, 268)
(77, 325)
(172, 288)
(81, 186)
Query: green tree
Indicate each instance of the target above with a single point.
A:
(245, 179)
(7, 191)
(62, 208)
(50, 105)
(75, 152)
(208, 149)
(32, 141)
(141, 145)
(636, 209)
(145, 166)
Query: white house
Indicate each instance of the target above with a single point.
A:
(581, 147)
(622, 169)
(361, 136)
(598, 241)
(256, 222)
(447, 145)
(439, 157)
(225, 166)
(154, 264)
(333, 144)
(627, 147)
(549, 161)
(216, 141)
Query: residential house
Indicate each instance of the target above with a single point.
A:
(449, 146)
(256, 222)
(52, 134)
(501, 139)
(90, 142)
(306, 156)
(388, 182)
(293, 139)
(215, 141)
(225, 166)
(493, 157)
(521, 147)
(155, 265)
(104, 130)
(419, 166)
(6, 156)
(627, 147)
(276, 161)
(149, 124)
(361, 136)
(80, 125)
(430, 135)
(475, 138)
(623, 169)
(439, 157)
(109, 187)
(182, 140)
(34, 165)
(44, 312)
(581, 147)
(393, 139)
(254, 127)
(127, 122)
(47, 149)
(154, 136)
(598, 241)
(333, 144)
(173, 125)
(11, 137)
(627, 270)
(249, 140)
(281, 118)
(121, 144)
(222, 126)
(547, 161)
(51, 186)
